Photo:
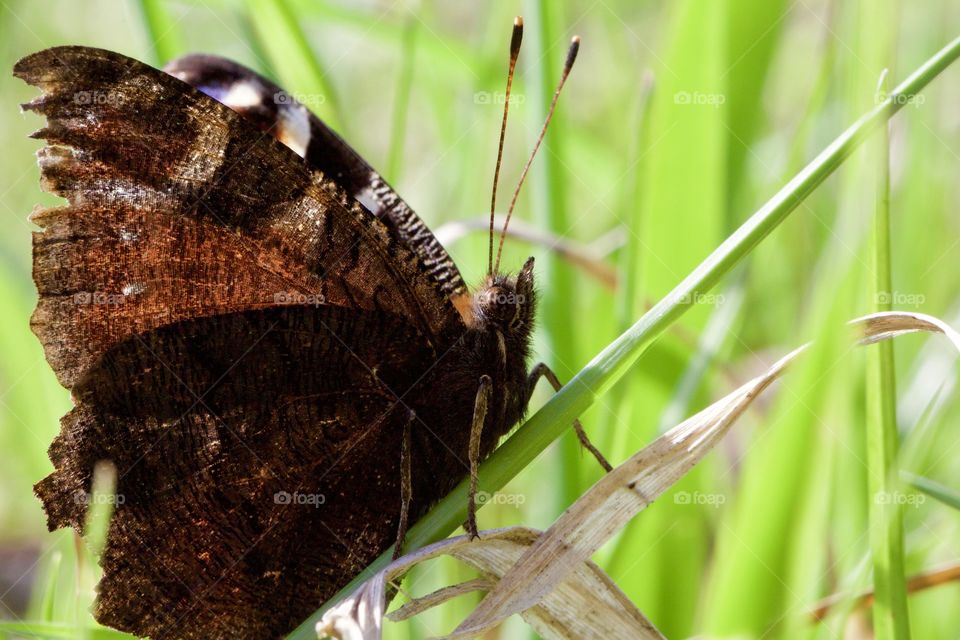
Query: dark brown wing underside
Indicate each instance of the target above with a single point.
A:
(179, 209)
(171, 290)
(271, 109)
(256, 465)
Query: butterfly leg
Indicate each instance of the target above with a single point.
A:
(476, 429)
(544, 371)
(406, 487)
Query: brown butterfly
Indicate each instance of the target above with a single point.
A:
(278, 357)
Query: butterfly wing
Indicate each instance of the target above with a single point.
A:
(172, 289)
(256, 466)
(178, 209)
(276, 111)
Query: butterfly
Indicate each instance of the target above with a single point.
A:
(277, 356)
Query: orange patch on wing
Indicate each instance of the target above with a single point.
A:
(464, 305)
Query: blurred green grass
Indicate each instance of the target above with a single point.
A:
(744, 91)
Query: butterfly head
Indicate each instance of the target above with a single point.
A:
(506, 302)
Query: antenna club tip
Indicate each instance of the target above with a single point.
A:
(517, 37)
(572, 53)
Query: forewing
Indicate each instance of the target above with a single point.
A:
(180, 209)
(276, 111)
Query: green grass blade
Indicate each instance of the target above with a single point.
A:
(753, 33)
(401, 102)
(548, 189)
(450, 57)
(935, 490)
(890, 614)
(279, 34)
(716, 334)
(49, 596)
(687, 111)
(749, 585)
(162, 30)
(598, 376)
(629, 303)
(53, 631)
(102, 499)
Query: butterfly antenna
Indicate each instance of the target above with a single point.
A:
(514, 54)
(571, 57)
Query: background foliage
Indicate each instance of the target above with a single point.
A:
(743, 93)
